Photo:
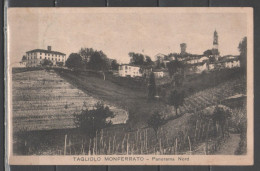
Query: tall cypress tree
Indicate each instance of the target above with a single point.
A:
(151, 87)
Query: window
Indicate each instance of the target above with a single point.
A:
(48, 54)
(40, 53)
(45, 57)
(40, 57)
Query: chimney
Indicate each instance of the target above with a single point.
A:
(49, 48)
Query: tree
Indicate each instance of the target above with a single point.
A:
(174, 67)
(46, 62)
(86, 53)
(176, 72)
(242, 47)
(178, 79)
(208, 53)
(99, 61)
(176, 99)
(24, 58)
(140, 59)
(159, 63)
(136, 58)
(221, 116)
(151, 87)
(92, 121)
(74, 61)
(148, 61)
(114, 65)
(155, 122)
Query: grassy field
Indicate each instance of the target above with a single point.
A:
(132, 99)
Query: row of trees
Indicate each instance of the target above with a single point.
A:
(88, 58)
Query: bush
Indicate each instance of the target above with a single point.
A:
(92, 121)
(155, 122)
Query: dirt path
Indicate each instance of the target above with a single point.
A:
(229, 147)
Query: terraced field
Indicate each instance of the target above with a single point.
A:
(43, 100)
(214, 95)
(210, 96)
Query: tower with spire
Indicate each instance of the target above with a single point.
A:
(215, 51)
(215, 40)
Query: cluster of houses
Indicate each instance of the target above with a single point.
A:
(192, 63)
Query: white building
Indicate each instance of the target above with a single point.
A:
(203, 59)
(127, 70)
(158, 74)
(35, 57)
(196, 59)
(211, 66)
(232, 63)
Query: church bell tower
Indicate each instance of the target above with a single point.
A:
(215, 40)
(215, 51)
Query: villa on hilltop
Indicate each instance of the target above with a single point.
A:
(34, 58)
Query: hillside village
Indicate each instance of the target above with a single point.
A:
(174, 104)
(210, 60)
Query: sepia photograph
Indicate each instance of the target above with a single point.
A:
(130, 86)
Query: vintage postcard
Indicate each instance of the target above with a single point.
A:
(129, 86)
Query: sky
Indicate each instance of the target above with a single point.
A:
(118, 32)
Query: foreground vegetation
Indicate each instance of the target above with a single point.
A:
(188, 132)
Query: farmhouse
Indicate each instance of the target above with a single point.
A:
(35, 57)
(128, 70)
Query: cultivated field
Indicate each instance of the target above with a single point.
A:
(43, 100)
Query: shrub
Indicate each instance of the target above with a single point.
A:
(155, 122)
(92, 121)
